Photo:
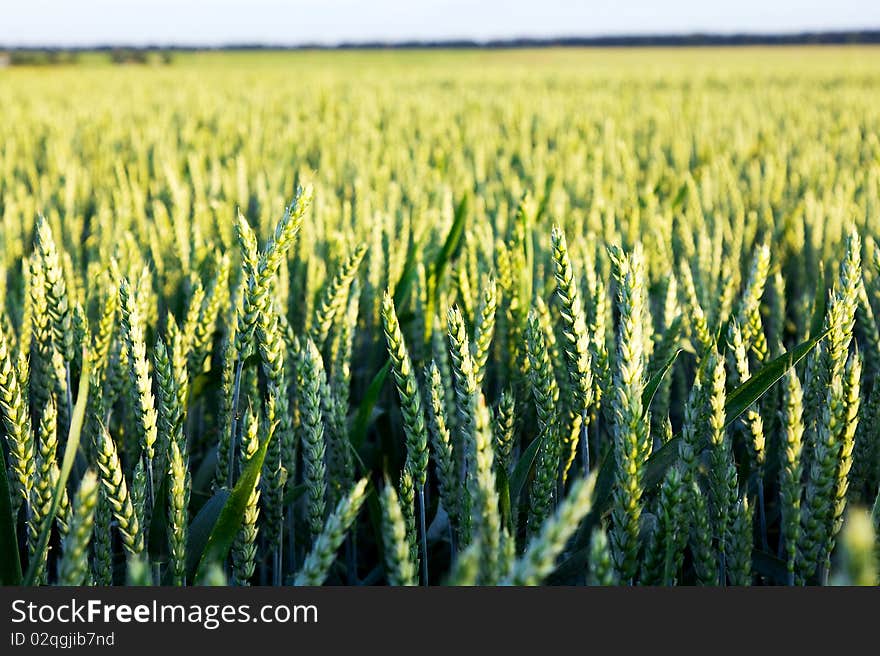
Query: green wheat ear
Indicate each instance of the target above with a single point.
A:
(665, 551)
(314, 445)
(140, 380)
(280, 460)
(852, 400)
(540, 557)
(632, 441)
(750, 305)
(831, 443)
(601, 565)
(858, 543)
(244, 549)
(43, 378)
(409, 394)
(723, 484)
(791, 469)
(400, 568)
(178, 518)
(261, 268)
(17, 426)
(705, 557)
(441, 441)
(574, 330)
(44, 484)
(546, 396)
(74, 567)
(466, 570)
(475, 437)
(58, 303)
(117, 494)
(740, 538)
(317, 563)
(485, 329)
(407, 494)
(340, 454)
(335, 296)
(504, 427)
(216, 297)
(102, 542)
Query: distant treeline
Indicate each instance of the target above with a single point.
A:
(164, 54)
(624, 41)
(66, 56)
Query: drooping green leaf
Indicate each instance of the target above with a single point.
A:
(401, 289)
(232, 514)
(203, 477)
(523, 467)
(654, 383)
(680, 196)
(365, 410)
(738, 401)
(526, 220)
(545, 198)
(755, 387)
(200, 530)
(819, 302)
(666, 456)
(502, 485)
(453, 237)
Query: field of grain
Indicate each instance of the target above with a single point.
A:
(451, 317)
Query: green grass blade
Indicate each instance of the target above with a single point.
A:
(453, 237)
(232, 513)
(200, 530)
(401, 289)
(680, 196)
(523, 467)
(666, 456)
(365, 411)
(654, 383)
(502, 484)
(755, 387)
(819, 302)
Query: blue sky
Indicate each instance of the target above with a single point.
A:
(215, 22)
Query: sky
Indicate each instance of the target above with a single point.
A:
(292, 22)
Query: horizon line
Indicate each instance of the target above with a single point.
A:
(690, 38)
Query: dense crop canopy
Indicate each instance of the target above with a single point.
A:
(479, 318)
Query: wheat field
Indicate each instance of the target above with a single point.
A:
(602, 317)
